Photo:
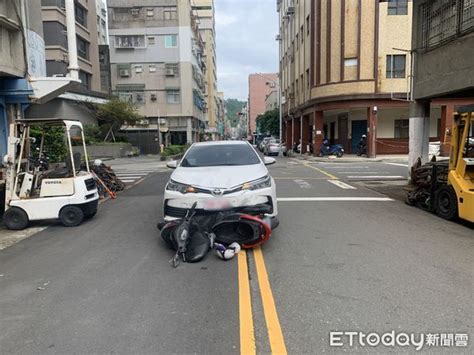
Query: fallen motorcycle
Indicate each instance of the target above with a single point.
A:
(225, 231)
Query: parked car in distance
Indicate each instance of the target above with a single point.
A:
(219, 175)
(273, 147)
(262, 144)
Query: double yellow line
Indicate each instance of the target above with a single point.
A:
(247, 332)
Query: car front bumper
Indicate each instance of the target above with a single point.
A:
(176, 204)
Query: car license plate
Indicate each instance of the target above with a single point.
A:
(216, 204)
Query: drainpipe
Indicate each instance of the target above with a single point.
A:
(71, 40)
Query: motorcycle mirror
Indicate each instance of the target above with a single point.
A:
(173, 164)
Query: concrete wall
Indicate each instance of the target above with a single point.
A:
(61, 108)
(113, 150)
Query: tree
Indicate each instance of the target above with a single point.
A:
(233, 107)
(114, 114)
(268, 122)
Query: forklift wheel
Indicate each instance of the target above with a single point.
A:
(446, 203)
(71, 216)
(15, 218)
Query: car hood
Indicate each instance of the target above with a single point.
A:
(224, 177)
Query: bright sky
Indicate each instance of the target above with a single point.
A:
(245, 35)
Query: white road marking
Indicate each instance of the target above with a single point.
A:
(309, 199)
(130, 177)
(342, 185)
(345, 167)
(128, 180)
(303, 184)
(357, 172)
(376, 177)
(397, 164)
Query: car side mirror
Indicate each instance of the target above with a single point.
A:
(173, 164)
(269, 161)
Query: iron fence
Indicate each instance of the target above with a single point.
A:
(445, 20)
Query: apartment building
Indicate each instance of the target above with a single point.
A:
(204, 10)
(157, 62)
(260, 85)
(18, 61)
(443, 35)
(345, 71)
(271, 101)
(102, 28)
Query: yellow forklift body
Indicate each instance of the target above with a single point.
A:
(461, 174)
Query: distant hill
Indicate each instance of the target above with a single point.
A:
(233, 106)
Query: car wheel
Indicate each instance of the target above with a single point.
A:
(15, 218)
(71, 216)
(446, 203)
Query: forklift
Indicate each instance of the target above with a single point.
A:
(447, 188)
(39, 190)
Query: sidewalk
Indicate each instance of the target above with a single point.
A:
(350, 158)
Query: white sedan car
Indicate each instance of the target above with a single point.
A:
(219, 175)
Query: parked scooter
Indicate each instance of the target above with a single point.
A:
(327, 149)
(362, 146)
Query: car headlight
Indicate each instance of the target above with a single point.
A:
(261, 183)
(177, 186)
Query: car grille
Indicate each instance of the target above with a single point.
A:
(179, 212)
(90, 184)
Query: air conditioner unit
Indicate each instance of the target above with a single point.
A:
(124, 72)
(290, 10)
(277, 37)
(139, 97)
(153, 97)
(170, 72)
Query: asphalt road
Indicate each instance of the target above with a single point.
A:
(362, 264)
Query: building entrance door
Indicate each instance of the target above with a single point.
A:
(358, 129)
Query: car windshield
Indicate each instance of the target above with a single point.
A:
(220, 155)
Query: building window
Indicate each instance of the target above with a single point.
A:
(172, 69)
(173, 97)
(129, 41)
(151, 41)
(126, 96)
(307, 79)
(85, 79)
(135, 12)
(169, 13)
(401, 128)
(81, 15)
(395, 66)
(171, 41)
(301, 34)
(307, 25)
(397, 7)
(152, 68)
(150, 12)
(82, 48)
(350, 62)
